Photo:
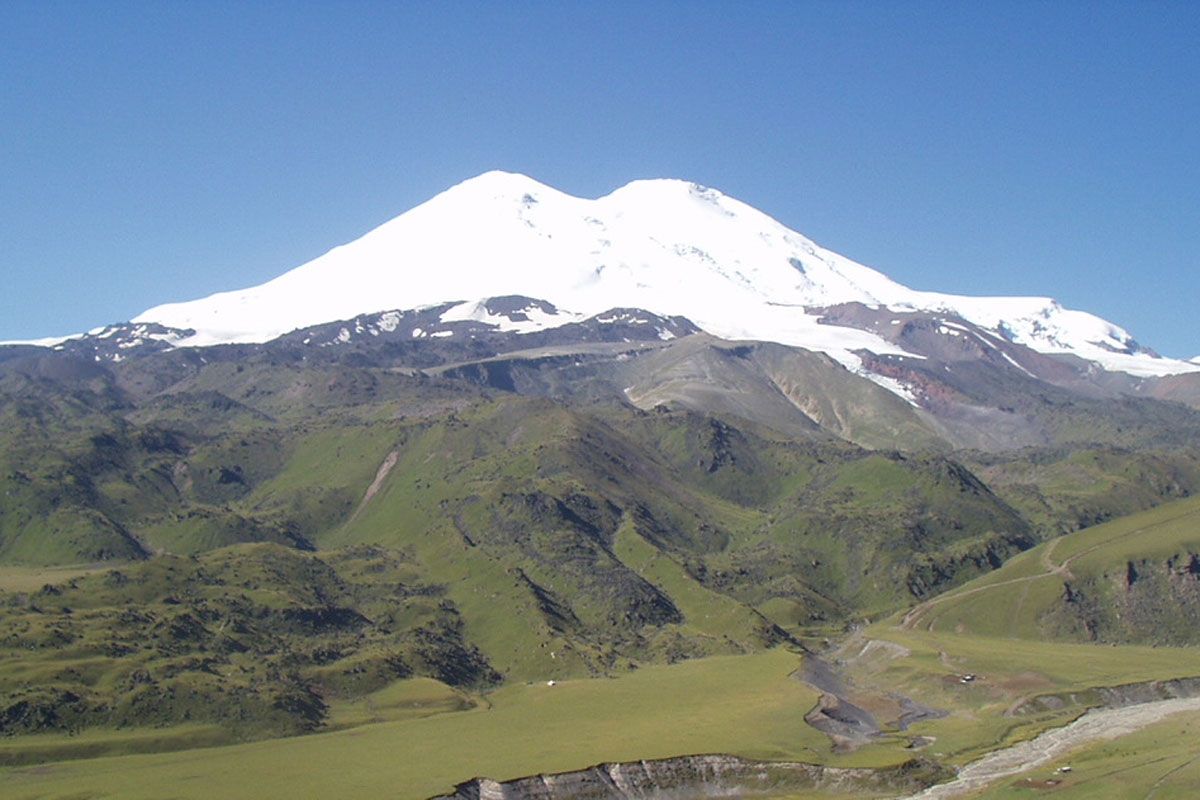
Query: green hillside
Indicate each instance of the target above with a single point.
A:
(1133, 580)
(236, 545)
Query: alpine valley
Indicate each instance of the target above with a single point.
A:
(519, 483)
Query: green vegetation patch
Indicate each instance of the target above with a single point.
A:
(999, 690)
(744, 705)
(1132, 580)
(257, 638)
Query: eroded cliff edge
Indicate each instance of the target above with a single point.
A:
(701, 776)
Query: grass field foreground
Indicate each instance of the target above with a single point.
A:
(1161, 761)
(746, 705)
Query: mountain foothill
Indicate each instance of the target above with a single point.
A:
(514, 435)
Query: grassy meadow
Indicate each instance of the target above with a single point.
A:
(1160, 762)
(416, 738)
(747, 705)
(396, 580)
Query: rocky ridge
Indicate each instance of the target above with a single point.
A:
(698, 776)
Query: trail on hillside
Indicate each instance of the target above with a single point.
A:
(1062, 569)
(1095, 725)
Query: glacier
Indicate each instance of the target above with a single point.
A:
(669, 246)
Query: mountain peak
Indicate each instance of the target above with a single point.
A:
(500, 182)
(669, 246)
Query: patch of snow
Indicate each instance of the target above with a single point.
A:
(50, 341)
(1013, 361)
(536, 318)
(1139, 365)
(389, 321)
(892, 385)
(169, 338)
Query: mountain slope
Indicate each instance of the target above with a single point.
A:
(671, 247)
(1133, 580)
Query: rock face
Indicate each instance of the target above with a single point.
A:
(1126, 694)
(700, 776)
(1153, 601)
(1129, 694)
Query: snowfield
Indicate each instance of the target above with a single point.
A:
(667, 246)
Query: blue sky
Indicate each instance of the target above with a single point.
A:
(159, 151)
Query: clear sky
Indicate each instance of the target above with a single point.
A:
(160, 151)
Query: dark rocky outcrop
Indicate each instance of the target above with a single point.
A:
(1152, 601)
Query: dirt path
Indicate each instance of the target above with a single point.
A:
(1096, 725)
(916, 612)
(1048, 561)
(1062, 569)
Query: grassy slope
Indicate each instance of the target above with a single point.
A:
(1059, 490)
(1159, 761)
(719, 518)
(260, 451)
(1029, 596)
(992, 628)
(1007, 673)
(746, 705)
(743, 704)
(258, 639)
(544, 541)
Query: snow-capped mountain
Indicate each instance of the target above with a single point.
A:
(671, 247)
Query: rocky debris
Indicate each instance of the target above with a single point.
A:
(1096, 725)
(1145, 601)
(699, 776)
(845, 723)
(1149, 691)
(1126, 694)
(912, 711)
